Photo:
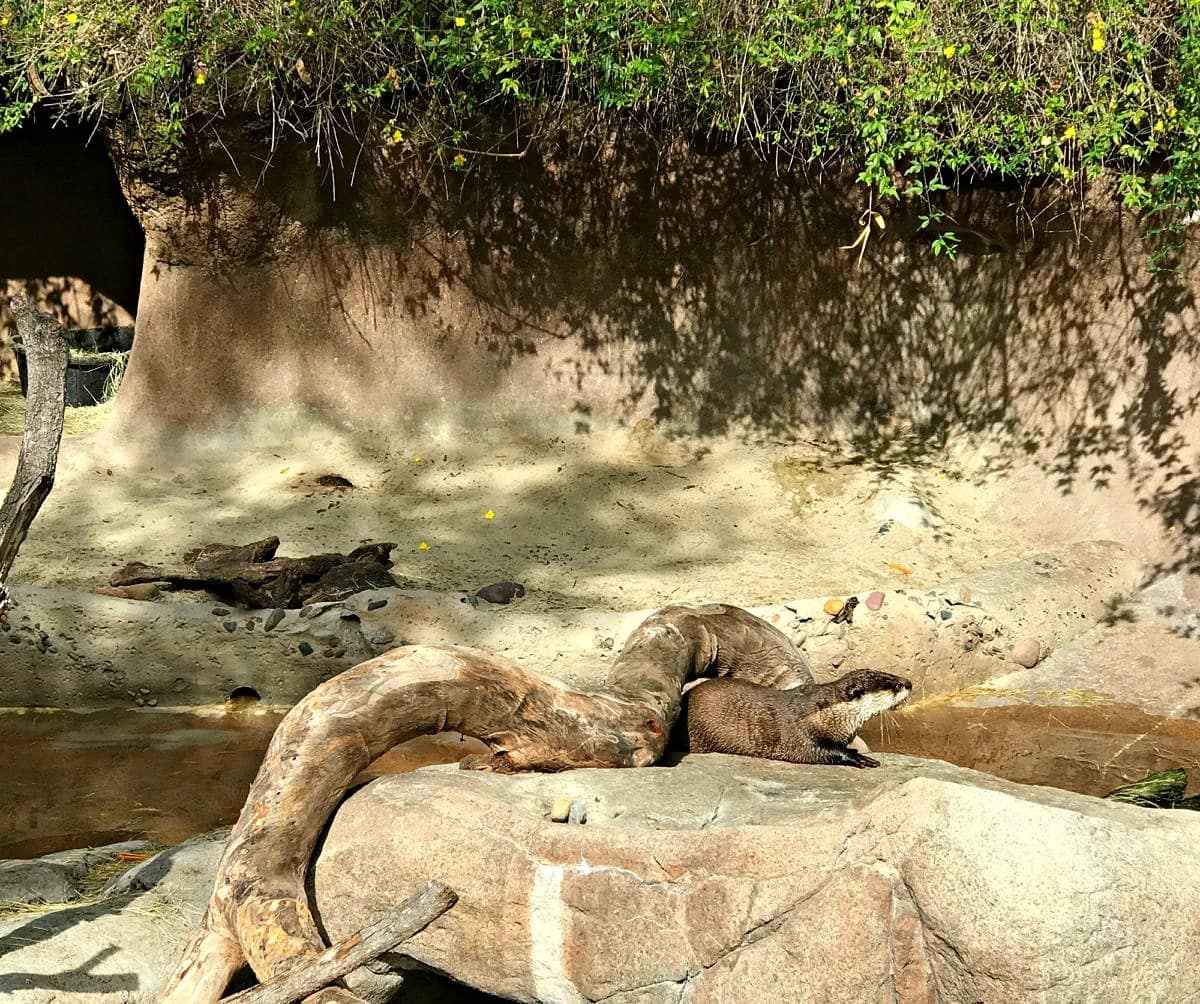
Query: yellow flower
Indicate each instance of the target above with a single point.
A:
(489, 515)
(1159, 126)
(397, 136)
(1172, 111)
(1069, 132)
(837, 29)
(526, 32)
(842, 81)
(72, 17)
(201, 77)
(460, 22)
(949, 51)
(459, 160)
(310, 33)
(4, 22)
(1097, 43)
(422, 546)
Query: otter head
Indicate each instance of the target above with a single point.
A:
(865, 693)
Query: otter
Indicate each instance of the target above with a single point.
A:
(810, 724)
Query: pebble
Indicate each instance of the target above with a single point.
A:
(249, 625)
(305, 611)
(305, 648)
(1026, 652)
(874, 600)
(607, 643)
(945, 614)
(153, 702)
(273, 619)
(328, 653)
(578, 814)
(560, 810)
(376, 604)
(382, 637)
(833, 605)
(231, 626)
(180, 685)
(501, 592)
(220, 612)
(964, 594)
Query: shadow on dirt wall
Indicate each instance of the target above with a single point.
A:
(721, 289)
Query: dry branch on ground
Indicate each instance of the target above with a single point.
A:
(252, 576)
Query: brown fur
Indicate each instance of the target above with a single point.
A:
(811, 724)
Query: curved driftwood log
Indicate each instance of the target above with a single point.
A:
(259, 911)
(47, 355)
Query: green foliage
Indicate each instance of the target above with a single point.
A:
(908, 95)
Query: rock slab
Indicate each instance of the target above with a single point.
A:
(724, 879)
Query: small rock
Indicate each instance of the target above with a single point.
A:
(306, 611)
(180, 685)
(874, 600)
(249, 624)
(334, 481)
(501, 592)
(577, 814)
(231, 626)
(305, 648)
(382, 637)
(607, 643)
(1026, 652)
(833, 605)
(376, 604)
(964, 594)
(338, 652)
(220, 612)
(273, 619)
(328, 653)
(143, 690)
(139, 701)
(945, 613)
(153, 702)
(560, 811)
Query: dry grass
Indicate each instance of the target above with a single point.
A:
(77, 422)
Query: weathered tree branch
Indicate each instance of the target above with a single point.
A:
(47, 354)
(416, 913)
(259, 911)
(251, 575)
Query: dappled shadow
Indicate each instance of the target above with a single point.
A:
(712, 292)
(610, 277)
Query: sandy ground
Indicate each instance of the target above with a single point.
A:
(619, 520)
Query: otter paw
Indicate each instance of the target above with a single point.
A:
(865, 761)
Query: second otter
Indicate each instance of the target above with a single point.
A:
(811, 724)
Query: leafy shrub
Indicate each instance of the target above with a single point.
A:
(909, 96)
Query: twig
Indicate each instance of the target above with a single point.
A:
(415, 914)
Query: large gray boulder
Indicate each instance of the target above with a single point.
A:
(724, 879)
(720, 879)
